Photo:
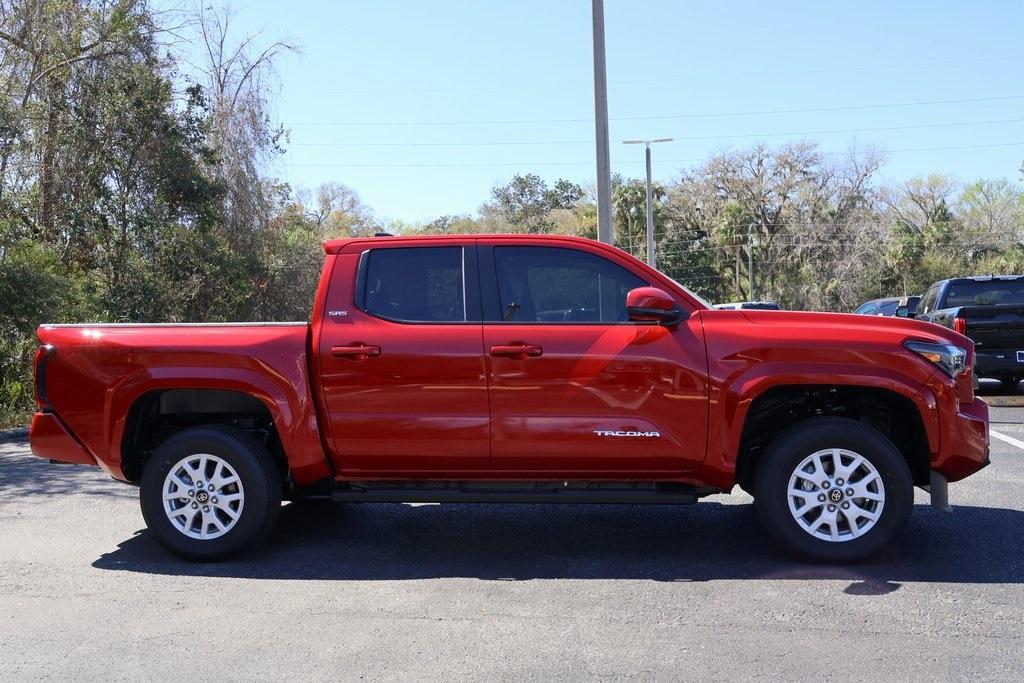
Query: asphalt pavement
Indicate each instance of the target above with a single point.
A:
(485, 592)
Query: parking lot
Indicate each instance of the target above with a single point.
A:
(506, 591)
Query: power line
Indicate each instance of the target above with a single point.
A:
(702, 137)
(854, 130)
(647, 81)
(442, 144)
(859, 107)
(529, 164)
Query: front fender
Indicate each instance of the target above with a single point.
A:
(731, 401)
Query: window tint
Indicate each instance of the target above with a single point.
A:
(927, 304)
(552, 284)
(867, 309)
(888, 308)
(984, 293)
(416, 284)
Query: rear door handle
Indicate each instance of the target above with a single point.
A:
(355, 351)
(517, 351)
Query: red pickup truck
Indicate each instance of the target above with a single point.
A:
(515, 369)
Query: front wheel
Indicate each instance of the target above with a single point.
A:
(210, 492)
(1010, 381)
(833, 490)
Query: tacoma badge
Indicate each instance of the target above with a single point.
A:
(608, 432)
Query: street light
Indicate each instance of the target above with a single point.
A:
(650, 194)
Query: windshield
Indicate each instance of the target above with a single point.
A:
(888, 308)
(699, 298)
(985, 293)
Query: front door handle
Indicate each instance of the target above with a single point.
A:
(517, 351)
(355, 351)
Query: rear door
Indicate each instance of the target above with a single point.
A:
(401, 360)
(575, 387)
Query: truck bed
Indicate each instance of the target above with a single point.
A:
(98, 371)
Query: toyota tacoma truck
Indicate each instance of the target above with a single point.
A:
(519, 369)
(989, 310)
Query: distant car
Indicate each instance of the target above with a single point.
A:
(889, 305)
(990, 310)
(757, 305)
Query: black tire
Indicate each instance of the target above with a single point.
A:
(260, 481)
(789, 449)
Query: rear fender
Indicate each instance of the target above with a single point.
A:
(290, 407)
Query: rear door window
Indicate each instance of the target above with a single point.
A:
(416, 284)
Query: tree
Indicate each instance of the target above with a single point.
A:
(921, 224)
(235, 80)
(338, 211)
(527, 204)
(629, 203)
(991, 215)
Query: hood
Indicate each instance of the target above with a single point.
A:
(840, 326)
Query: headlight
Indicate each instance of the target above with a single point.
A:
(950, 358)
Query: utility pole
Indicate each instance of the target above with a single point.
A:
(604, 167)
(650, 194)
(738, 273)
(750, 259)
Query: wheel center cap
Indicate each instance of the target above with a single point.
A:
(203, 497)
(835, 495)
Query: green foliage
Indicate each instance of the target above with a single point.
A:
(34, 288)
(115, 204)
(527, 204)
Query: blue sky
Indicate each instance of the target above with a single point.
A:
(423, 106)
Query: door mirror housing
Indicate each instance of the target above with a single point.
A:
(903, 312)
(653, 305)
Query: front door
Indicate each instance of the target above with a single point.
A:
(401, 361)
(577, 388)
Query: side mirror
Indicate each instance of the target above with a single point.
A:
(903, 312)
(652, 305)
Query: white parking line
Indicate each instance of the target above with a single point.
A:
(1008, 439)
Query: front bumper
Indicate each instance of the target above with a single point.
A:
(964, 442)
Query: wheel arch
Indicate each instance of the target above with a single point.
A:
(891, 413)
(158, 414)
(247, 392)
(733, 400)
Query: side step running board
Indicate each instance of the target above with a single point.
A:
(504, 492)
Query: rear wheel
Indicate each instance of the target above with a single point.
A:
(833, 490)
(210, 492)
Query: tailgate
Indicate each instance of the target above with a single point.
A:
(995, 327)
